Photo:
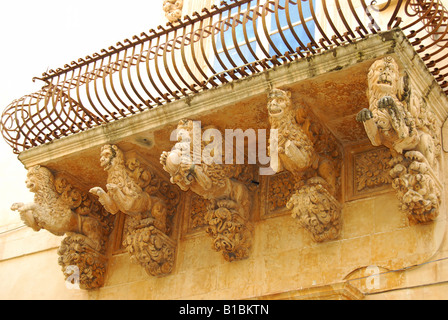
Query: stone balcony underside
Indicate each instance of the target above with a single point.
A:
(332, 86)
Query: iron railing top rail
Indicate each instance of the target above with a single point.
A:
(206, 50)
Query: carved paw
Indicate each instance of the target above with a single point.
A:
(415, 155)
(386, 102)
(364, 115)
(98, 191)
(111, 186)
(17, 206)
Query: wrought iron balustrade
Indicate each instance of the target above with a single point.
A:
(208, 49)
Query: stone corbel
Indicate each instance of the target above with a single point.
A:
(63, 209)
(148, 204)
(312, 156)
(399, 119)
(221, 184)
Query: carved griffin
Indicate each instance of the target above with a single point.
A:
(229, 199)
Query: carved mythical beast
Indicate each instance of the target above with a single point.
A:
(124, 194)
(230, 201)
(50, 211)
(399, 119)
(307, 153)
(146, 241)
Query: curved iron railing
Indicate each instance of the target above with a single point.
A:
(216, 46)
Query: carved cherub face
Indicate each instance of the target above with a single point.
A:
(278, 102)
(384, 75)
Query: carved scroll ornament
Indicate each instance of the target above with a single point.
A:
(311, 156)
(129, 190)
(229, 198)
(62, 209)
(400, 120)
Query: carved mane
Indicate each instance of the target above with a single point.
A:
(54, 215)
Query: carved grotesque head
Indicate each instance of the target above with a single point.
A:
(37, 177)
(110, 155)
(383, 76)
(279, 103)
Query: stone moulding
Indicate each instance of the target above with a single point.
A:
(398, 117)
(63, 209)
(148, 202)
(229, 199)
(312, 156)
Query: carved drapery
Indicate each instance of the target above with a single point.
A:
(312, 156)
(225, 186)
(62, 209)
(149, 204)
(399, 119)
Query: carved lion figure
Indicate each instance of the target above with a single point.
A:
(51, 212)
(124, 194)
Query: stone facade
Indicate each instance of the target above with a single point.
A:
(351, 209)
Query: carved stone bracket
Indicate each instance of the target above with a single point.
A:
(225, 186)
(150, 247)
(63, 209)
(310, 153)
(149, 204)
(399, 119)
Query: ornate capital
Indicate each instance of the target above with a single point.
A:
(312, 156)
(63, 209)
(399, 119)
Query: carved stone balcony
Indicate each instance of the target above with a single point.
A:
(334, 149)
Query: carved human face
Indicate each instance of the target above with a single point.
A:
(107, 156)
(278, 103)
(383, 75)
